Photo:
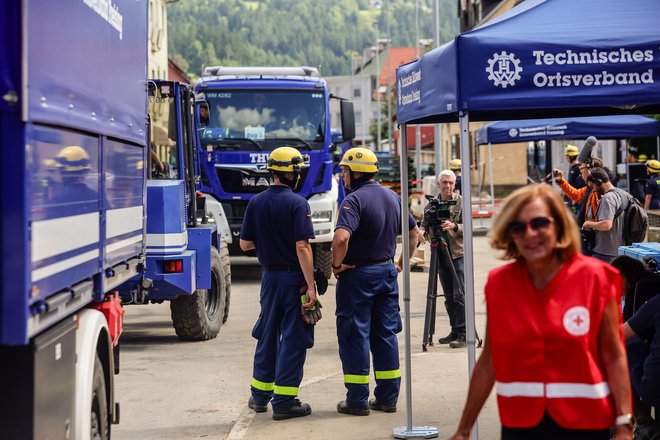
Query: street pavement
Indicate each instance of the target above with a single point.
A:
(169, 389)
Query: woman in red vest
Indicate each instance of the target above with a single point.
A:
(553, 342)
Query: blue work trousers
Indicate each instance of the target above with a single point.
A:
(283, 339)
(368, 321)
(644, 377)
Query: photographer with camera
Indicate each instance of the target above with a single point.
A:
(443, 221)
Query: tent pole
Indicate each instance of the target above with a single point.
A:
(657, 147)
(490, 177)
(404, 432)
(468, 262)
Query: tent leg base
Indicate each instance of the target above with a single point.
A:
(415, 432)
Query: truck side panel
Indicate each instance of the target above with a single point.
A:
(93, 92)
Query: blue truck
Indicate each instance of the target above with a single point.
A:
(187, 260)
(83, 221)
(246, 112)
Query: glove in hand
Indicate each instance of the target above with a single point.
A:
(312, 315)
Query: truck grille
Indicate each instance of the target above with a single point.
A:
(247, 181)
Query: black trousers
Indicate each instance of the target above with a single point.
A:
(548, 429)
(454, 293)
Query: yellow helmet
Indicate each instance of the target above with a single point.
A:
(286, 159)
(653, 166)
(642, 158)
(360, 160)
(455, 164)
(72, 159)
(571, 150)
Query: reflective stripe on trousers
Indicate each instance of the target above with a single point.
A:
(553, 390)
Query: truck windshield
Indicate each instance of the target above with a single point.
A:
(269, 117)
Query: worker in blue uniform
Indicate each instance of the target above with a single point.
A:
(278, 224)
(652, 190)
(368, 317)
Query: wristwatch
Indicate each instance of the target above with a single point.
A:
(624, 420)
(336, 267)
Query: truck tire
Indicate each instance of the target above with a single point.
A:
(100, 426)
(226, 270)
(323, 258)
(198, 317)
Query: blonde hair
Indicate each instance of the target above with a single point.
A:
(568, 237)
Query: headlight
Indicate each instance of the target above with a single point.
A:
(321, 216)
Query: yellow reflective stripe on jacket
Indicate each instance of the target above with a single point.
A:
(286, 391)
(263, 386)
(356, 378)
(390, 374)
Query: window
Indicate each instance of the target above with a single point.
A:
(358, 117)
(357, 92)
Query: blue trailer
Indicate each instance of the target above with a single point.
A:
(248, 112)
(73, 137)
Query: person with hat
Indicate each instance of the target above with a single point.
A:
(278, 224)
(367, 294)
(652, 189)
(574, 177)
(455, 166)
(73, 165)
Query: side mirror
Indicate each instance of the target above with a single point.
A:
(347, 120)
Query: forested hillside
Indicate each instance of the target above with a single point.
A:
(293, 32)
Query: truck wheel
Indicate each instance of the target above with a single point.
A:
(100, 428)
(198, 317)
(226, 270)
(323, 258)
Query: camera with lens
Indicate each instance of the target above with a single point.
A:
(435, 213)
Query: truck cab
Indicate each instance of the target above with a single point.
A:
(245, 113)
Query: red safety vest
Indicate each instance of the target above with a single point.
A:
(545, 344)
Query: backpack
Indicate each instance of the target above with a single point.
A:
(635, 220)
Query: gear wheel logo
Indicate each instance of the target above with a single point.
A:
(504, 69)
(513, 132)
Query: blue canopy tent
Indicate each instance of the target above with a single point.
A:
(602, 127)
(543, 58)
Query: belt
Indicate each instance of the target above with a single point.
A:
(375, 262)
(281, 268)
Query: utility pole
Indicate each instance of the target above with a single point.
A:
(377, 88)
(437, 135)
(418, 133)
(389, 79)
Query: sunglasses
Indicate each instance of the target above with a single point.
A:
(517, 229)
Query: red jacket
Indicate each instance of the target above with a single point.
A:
(545, 344)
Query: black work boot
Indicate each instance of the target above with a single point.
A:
(459, 342)
(298, 409)
(377, 406)
(257, 407)
(447, 339)
(343, 408)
